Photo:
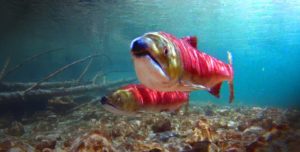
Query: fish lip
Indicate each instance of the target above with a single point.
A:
(140, 53)
(114, 109)
(104, 101)
(152, 58)
(146, 53)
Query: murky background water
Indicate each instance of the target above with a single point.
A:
(263, 36)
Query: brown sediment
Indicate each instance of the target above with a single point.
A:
(224, 129)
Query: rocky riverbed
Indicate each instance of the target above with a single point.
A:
(206, 127)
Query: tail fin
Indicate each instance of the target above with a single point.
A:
(231, 96)
(229, 56)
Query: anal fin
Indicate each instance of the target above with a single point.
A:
(216, 90)
(192, 86)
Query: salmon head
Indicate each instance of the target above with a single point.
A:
(120, 102)
(156, 60)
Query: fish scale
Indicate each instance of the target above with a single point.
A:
(200, 63)
(147, 96)
(166, 63)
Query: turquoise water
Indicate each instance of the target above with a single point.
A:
(263, 36)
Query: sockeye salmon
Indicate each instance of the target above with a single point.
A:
(135, 98)
(166, 63)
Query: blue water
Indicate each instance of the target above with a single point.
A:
(263, 36)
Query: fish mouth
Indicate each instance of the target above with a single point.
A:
(112, 108)
(140, 53)
(105, 101)
(147, 54)
(140, 48)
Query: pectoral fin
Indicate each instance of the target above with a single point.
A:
(192, 86)
(216, 90)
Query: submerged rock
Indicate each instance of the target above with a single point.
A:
(14, 145)
(61, 104)
(5, 120)
(232, 124)
(45, 144)
(253, 130)
(164, 136)
(92, 141)
(227, 129)
(16, 129)
(202, 146)
(43, 126)
(162, 125)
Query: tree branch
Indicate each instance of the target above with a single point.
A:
(59, 71)
(31, 95)
(28, 60)
(3, 71)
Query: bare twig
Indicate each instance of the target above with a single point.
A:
(88, 65)
(96, 77)
(102, 74)
(108, 58)
(84, 104)
(3, 71)
(59, 71)
(84, 70)
(13, 97)
(28, 60)
(18, 86)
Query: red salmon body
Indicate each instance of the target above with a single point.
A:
(199, 64)
(166, 63)
(135, 98)
(157, 100)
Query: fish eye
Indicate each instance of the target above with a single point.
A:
(166, 51)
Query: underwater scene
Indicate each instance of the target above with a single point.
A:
(149, 76)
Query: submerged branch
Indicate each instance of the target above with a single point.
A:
(29, 60)
(84, 70)
(31, 95)
(84, 104)
(59, 71)
(18, 86)
(3, 71)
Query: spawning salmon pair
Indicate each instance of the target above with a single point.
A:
(168, 69)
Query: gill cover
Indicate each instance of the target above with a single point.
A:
(123, 100)
(166, 54)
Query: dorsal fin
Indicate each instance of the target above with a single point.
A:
(192, 40)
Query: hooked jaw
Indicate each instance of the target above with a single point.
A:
(120, 102)
(139, 46)
(156, 62)
(104, 100)
(110, 107)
